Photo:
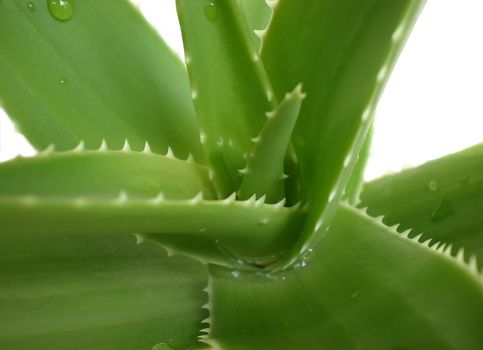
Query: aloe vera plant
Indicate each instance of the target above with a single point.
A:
(245, 163)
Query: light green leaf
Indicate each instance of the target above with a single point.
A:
(94, 192)
(354, 185)
(264, 173)
(103, 74)
(103, 174)
(366, 287)
(230, 90)
(257, 14)
(342, 52)
(96, 292)
(443, 199)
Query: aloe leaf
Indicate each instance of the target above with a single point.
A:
(247, 229)
(96, 292)
(367, 287)
(103, 174)
(230, 90)
(342, 52)
(443, 199)
(264, 173)
(94, 192)
(257, 14)
(103, 74)
(354, 185)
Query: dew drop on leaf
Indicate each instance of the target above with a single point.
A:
(210, 10)
(31, 6)
(433, 186)
(63, 81)
(61, 10)
(442, 210)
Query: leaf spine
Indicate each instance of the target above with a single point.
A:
(281, 203)
(147, 148)
(261, 200)
(126, 147)
(80, 147)
(169, 153)
(196, 199)
(230, 199)
(48, 150)
(272, 3)
(103, 147)
(243, 171)
(158, 199)
(260, 33)
(121, 198)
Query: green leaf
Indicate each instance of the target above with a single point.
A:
(103, 174)
(96, 292)
(342, 52)
(443, 199)
(354, 185)
(367, 287)
(230, 90)
(264, 173)
(103, 74)
(257, 14)
(94, 192)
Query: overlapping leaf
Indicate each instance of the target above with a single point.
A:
(366, 287)
(94, 192)
(230, 90)
(443, 199)
(103, 74)
(342, 52)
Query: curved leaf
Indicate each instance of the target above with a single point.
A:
(365, 288)
(86, 192)
(103, 74)
(342, 52)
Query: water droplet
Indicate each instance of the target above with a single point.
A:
(264, 221)
(61, 10)
(433, 186)
(203, 229)
(442, 211)
(210, 10)
(235, 273)
(31, 6)
(63, 81)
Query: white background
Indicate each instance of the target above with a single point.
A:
(432, 105)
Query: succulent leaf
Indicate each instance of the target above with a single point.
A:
(103, 174)
(366, 287)
(99, 292)
(231, 92)
(342, 52)
(137, 193)
(103, 74)
(257, 14)
(443, 199)
(264, 174)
